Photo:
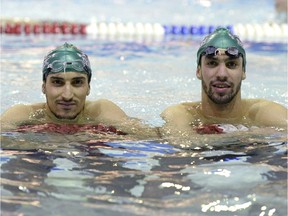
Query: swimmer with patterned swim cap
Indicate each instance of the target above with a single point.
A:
(66, 84)
(221, 67)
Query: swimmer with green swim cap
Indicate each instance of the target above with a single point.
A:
(66, 84)
(221, 66)
(221, 38)
(66, 58)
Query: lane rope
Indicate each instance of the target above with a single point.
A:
(18, 27)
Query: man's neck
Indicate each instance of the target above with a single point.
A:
(52, 118)
(232, 110)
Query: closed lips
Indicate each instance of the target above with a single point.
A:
(66, 104)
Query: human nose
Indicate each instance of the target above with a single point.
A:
(67, 93)
(222, 70)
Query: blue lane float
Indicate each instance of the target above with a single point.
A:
(191, 30)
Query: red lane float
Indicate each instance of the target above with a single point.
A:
(43, 28)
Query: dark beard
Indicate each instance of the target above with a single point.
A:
(220, 99)
(65, 118)
(61, 117)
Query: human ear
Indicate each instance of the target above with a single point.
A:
(43, 88)
(243, 75)
(88, 92)
(199, 73)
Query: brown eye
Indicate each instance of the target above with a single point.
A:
(231, 65)
(78, 82)
(57, 82)
(212, 63)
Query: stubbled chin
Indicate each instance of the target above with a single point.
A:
(65, 116)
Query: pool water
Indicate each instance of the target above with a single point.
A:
(90, 174)
(52, 174)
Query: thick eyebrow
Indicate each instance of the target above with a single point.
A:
(56, 78)
(79, 78)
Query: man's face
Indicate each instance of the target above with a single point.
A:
(66, 93)
(221, 77)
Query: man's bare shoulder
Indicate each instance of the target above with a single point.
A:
(254, 101)
(18, 114)
(100, 104)
(22, 109)
(178, 119)
(255, 105)
(267, 113)
(104, 109)
(180, 114)
(182, 108)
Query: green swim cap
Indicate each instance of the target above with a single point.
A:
(221, 38)
(64, 59)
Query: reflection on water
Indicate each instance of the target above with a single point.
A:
(52, 174)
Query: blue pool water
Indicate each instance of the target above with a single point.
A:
(86, 174)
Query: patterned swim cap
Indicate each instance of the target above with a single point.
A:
(66, 58)
(221, 38)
